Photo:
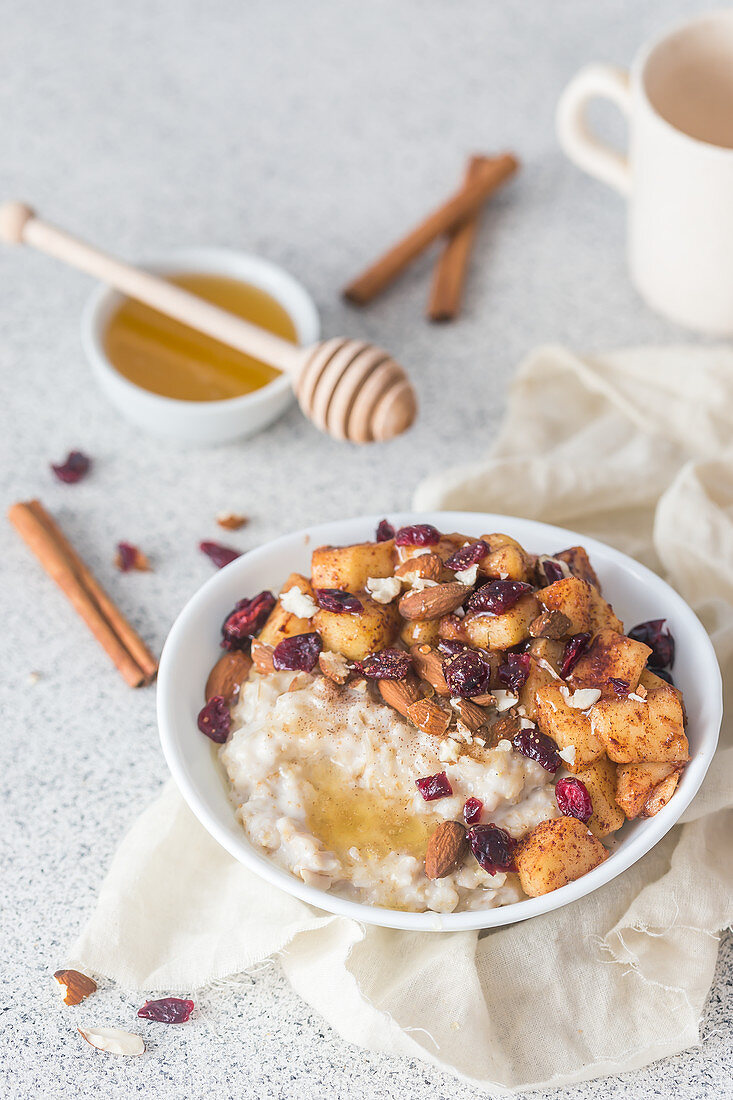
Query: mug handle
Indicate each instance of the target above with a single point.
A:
(576, 138)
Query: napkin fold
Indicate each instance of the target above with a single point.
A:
(633, 448)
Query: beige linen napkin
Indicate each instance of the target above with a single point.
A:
(630, 448)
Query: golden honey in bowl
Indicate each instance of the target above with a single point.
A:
(165, 357)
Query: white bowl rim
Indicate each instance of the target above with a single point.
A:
(301, 309)
(620, 860)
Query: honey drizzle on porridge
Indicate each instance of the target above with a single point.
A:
(344, 816)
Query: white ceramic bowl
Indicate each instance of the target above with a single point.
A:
(202, 423)
(192, 648)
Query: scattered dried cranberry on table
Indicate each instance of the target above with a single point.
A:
(167, 1010)
(220, 555)
(73, 469)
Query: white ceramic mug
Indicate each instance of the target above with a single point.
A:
(678, 176)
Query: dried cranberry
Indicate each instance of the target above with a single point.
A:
(467, 556)
(574, 650)
(621, 687)
(553, 570)
(298, 653)
(472, 810)
(467, 674)
(167, 1010)
(515, 670)
(492, 847)
(663, 674)
(215, 720)
(338, 601)
(246, 620)
(497, 596)
(434, 786)
(538, 746)
(385, 531)
(73, 469)
(660, 641)
(573, 799)
(418, 534)
(129, 557)
(387, 664)
(220, 555)
(450, 648)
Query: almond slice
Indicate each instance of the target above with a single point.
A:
(113, 1040)
(429, 665)
(446, 849)
(77, 985)
(433, 603)
(232, 521)
(429, 717)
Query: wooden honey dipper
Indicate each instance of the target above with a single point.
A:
(348, 388)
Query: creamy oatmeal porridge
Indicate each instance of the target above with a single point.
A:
(438, 722)
(324, 780)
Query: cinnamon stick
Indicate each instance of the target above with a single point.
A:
(451, 268)
(458, 208)
(107, 623)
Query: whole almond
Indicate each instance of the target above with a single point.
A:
(262, 657)
(429, 566)
(429, 665)
(228, 675)
(433, 603)
(472, 716)
(399, 694)
(429, 716)
(446, 849)
(550, 624)
(78, 986)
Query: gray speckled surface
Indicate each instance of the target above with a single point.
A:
(313, 134)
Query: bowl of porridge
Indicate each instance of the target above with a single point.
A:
(438, 722)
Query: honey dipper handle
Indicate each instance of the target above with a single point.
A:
(19, 225)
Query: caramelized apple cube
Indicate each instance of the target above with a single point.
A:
(582, 603)
(284, 624)
(610, 656)
(599, 779)
(578, 562)
(349, 567)
(360, 633)
(568, 726)
(557, 851)
(635, 730)
(546, 657)
(488, 631)
(635, 784)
